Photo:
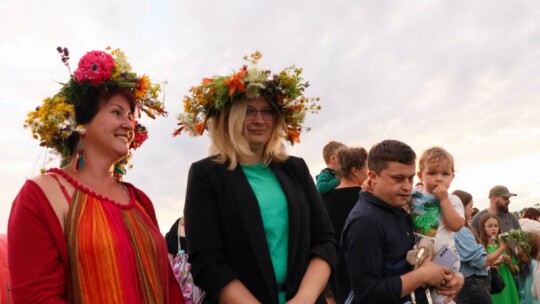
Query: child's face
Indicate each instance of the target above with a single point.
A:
(491, 227)
(435, 174)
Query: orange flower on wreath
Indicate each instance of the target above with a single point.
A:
(294, 135)
(199, 127)
(142, 86)
(235, 83)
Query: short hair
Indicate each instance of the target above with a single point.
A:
(389, 151)
(90, 103)
(330, 149)
(227, 133)
(349, 158)
(531, 213)
(435, 155)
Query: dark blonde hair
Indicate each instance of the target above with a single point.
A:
(349, 158)
(531, 213)
(435, 155)
(466, 199)
(330, 149)
(229, 143)
(483, 236)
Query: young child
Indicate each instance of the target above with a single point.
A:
(436, 213)
(326, 180)
(489, 230)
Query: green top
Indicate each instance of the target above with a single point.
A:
(275, 216)
(326, 181)
(509, 295)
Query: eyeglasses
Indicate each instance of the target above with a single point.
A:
(266, 114)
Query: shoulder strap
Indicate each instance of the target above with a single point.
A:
(64, 191)
(180, 223)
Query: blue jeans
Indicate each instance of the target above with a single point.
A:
(475, 290)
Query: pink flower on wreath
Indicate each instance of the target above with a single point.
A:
(95, 67)
(141, 135)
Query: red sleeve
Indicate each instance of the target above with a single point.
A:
(37, 252)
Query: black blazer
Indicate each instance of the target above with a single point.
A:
(225, 234)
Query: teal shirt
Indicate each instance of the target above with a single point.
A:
(275, 216)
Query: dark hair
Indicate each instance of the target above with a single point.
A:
(349, 158)
(89, 104)
(466, 198)
(389, 151)
(531, 213)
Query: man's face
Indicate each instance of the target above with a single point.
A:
(394, 184)
(501, 203)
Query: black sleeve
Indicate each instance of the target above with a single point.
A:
(172, 238)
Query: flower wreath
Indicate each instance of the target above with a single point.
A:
(285, 90)
(54, 121)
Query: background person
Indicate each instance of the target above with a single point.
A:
(173, 237)
(77, 234)
(505, 264)
(327, 179)
(257, 231)
(499, 199)
(436, 214)
(352, 172)
(474, 258)
(378, 234)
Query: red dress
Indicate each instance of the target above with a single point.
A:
(116, 253)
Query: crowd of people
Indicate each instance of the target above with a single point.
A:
(256, 226)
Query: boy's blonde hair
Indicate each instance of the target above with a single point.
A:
(435, 155)
(229, 143)
(330, 149)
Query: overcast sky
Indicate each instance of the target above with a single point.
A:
(464, 75)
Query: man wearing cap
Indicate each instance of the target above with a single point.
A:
(499, 199)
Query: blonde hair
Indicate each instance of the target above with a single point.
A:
(229, 143)
(435, 155)
(330, 149)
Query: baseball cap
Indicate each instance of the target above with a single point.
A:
(500, 191)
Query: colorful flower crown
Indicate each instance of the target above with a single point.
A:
(285, 90)
(54, 121)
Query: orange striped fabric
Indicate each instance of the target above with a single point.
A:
(116, 253)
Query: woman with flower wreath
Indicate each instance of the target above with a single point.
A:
(256, 229)
(78, 234)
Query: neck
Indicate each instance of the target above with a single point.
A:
(255, 158)
(347, 182)
(93, 174)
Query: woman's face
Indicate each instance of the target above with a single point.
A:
(259, 122)
(491, 227)
(360, 174)
(111, 131)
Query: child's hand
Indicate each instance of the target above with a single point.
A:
(440, 192)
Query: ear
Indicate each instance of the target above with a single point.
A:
(372, 175)
(419, 174)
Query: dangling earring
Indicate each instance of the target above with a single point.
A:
(79, 162)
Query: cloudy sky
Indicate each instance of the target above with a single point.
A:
(464, 75)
